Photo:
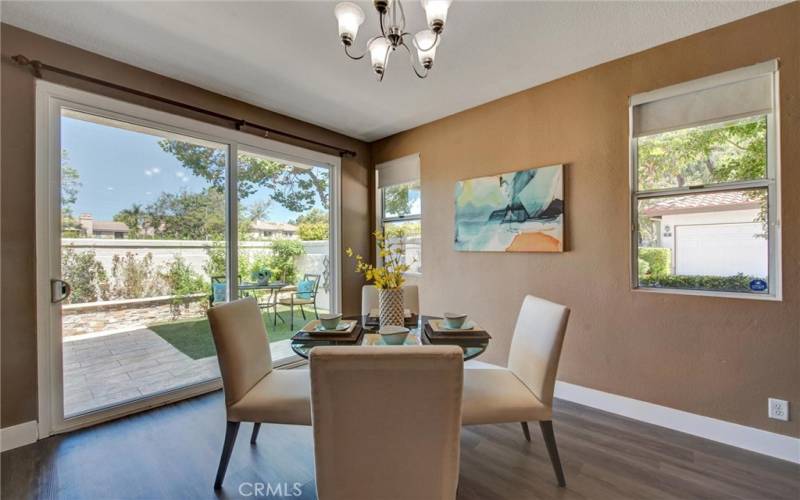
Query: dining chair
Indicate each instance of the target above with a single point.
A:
(254, 392)
(386, 421)
(369, 299)
(522, 391)
(302, 298)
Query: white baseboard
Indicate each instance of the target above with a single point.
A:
(19, 435)
(749, 438)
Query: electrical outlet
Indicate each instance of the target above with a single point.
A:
(778, 409)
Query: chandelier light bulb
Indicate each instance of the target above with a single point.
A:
(350, 17)
(426, 42)
(378, 51)
(436, 13)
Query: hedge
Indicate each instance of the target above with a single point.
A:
(737, 283)
(659, 259)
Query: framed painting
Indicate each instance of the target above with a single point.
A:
(514, 212)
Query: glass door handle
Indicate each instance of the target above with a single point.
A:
(59, 291)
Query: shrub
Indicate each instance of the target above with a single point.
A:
(216, 261)
(85, 274)
(736, 283)
(282, 260)
(644, 267)
(313, 231)
(659, 260)
(133, 278)
(181, 281)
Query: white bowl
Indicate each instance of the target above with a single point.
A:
(393, 335)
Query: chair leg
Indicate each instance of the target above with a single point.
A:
(302, 311)
(231, 431)
(291, 317)
(526, 431)
(550, 441)
(254, 436)
(315, 309)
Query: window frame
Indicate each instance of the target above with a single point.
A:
(771, 183)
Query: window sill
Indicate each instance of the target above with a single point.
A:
(702, 293)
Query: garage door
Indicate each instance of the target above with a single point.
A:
(721, 249)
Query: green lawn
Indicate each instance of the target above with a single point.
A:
(193, 337)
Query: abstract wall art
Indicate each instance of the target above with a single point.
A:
(514, 212)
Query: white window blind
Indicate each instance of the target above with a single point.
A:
(718, 98)
(400, 171)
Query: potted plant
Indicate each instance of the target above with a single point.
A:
(388, 278)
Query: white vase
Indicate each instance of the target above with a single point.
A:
(391, 307)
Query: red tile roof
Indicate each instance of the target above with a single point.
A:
(701, 202)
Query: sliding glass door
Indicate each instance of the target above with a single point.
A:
(150, 220)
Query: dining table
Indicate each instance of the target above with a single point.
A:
(416, 336)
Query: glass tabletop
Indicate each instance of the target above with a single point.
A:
(371, 337)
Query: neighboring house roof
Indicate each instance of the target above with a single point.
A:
(701, 202)
(262, 225)
(109, 225)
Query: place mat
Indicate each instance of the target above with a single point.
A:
(351, 337)
(312, 327)
(445, 337)
(440, 326)
(374, 322)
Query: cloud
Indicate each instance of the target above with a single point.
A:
(149, 172)
(182, 176)
(110, 188)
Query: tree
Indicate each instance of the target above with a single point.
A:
(135, 218)
(70, 186)
(704, 155)
(187, 215)
(313, 225)
(397, 199)
(297, 188)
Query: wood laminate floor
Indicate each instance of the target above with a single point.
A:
(172, 452)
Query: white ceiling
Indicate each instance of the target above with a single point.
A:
(285, 56)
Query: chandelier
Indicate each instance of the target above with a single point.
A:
(393, 35)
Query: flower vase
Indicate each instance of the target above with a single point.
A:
(391, 307)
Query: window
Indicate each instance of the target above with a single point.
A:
(400, 207)
(704, 194)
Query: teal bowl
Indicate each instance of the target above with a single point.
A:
(454, 320)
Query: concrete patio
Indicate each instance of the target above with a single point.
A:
(110, 368)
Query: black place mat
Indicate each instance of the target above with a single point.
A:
(445, 337)
(409, 322)
(344, 337)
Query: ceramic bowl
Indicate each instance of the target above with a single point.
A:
(454, 320)
(330, 321)
(393, 335)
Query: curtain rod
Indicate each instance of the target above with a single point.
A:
(237, 123)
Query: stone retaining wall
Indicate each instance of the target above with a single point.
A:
(129, 314)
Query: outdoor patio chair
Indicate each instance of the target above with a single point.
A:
(302, 298)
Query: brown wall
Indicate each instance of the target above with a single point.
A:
(18, 322)
(711, 356)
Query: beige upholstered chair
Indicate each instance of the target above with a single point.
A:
(254, 392)
(386, 421)
(369, 298)
(523, 391)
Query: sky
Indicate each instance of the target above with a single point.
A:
(119, 167)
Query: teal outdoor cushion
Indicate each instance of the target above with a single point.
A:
(219, 292)
(305, 289)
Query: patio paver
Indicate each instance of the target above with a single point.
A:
(118, 367)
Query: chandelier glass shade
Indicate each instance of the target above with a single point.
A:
(393, 35)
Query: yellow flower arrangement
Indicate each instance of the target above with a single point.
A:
(391, 274)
